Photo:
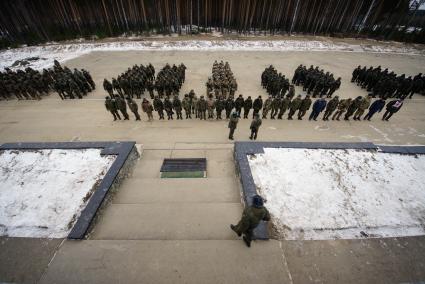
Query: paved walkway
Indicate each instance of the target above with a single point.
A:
(171, 231)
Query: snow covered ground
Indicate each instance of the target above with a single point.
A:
(64, 52)
(327, 194)
(42, 192)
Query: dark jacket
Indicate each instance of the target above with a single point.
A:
(305, 104)
(233, 122)
(392, 106)
(377, 106)
(256, 123)
(319, 105)
(258, 104)
(247, 104)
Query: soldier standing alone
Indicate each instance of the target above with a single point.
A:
(255, 126)
(251, 217)
(233, 123)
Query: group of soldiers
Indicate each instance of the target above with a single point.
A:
(133, 82)
(275, 83)
(30, 84)
(212, 108)
(222, 83)
(315, 81)
(170, 80)
(386, 84)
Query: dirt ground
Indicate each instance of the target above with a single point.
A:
(54, 120)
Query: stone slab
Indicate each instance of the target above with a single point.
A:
(141, 190)
(168, 221)
(167, 262)
(387, 260)
(23, 260)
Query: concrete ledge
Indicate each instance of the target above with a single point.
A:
(120, 149)
(243, 149)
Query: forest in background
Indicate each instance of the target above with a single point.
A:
(37, 21)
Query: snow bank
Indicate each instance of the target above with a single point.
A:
(64, 52)
(327, 194)
(43, 192)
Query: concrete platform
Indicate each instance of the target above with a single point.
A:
(140, 190)
(168, 221)
(167, 262)
(388, 260)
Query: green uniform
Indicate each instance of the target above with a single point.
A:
(251, 217)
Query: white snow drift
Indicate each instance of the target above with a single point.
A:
(327, 194)
(64, 52)
(43, 192)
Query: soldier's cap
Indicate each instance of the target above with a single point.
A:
(257, 201)
(299, 96)
(336, 97)
(107, 97)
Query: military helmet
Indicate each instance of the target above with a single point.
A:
(257, 201)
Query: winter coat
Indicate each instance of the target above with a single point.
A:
(394, 106)
(256, 123)
(147, 106)
(258, 104)
(233, 122)
(247, 104)
(377, 106)
(158, 104)
(133, 106)
(202, 105)
(332, 104)
(239, 102)
(229, 104)
(305, 104)
(319, 105)
(295, 104)
(365, 103)
(177, 104)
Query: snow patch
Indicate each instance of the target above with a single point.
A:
(65, 52)
(332, 194)
(43, 192)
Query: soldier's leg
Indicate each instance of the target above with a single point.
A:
(231, 132)
(137, 115)
(117, 114)
(113, 114)
(255, 134)
(126, 116)
(248, 237)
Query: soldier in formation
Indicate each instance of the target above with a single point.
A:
(275, 83)
(131, 83)
(386, 84)
(30, 84)
(333, 109)
(222, 82)
(315, 81)
(170, 80)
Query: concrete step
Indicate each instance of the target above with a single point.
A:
(151, 190)
(168, 262)
(219, 162)
(168, 221)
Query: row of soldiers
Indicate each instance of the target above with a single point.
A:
(386, 84)
(133, 82)
(31, 84)
(223, 82)
(275, 83)
(277, 107)
(316, 81)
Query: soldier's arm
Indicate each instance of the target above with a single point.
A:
(267, 215)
